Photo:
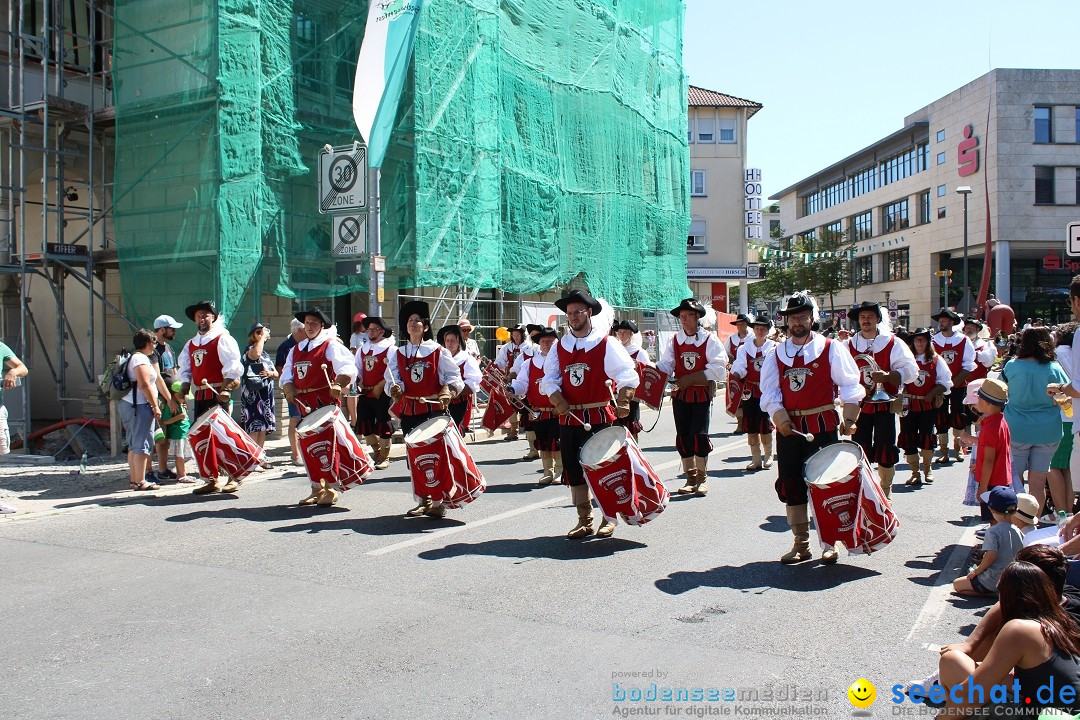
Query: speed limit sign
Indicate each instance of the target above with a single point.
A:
(343, 175)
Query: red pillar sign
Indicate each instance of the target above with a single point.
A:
(719, 297)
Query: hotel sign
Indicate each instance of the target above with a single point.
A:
(752, 271)
(752, 203)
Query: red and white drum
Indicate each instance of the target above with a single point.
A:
(330, 449)
(849, 505)
(220, 445)
(621, 479)
(498, 410)
(651, 387)
(441, 466)
(734, 395)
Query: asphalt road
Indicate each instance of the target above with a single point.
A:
(247, 606)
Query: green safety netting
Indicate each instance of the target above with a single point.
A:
(537, 141)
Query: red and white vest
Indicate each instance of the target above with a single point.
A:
(805, 386)
(690, 359)
(883, 358)
(533, 396)
(953, 355)
(206, 366)
(981, 371)
(420, 376)
(309, 378)
(924, 383)
(584, 383)
(372, 369)
(752, 381)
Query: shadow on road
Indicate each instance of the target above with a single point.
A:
(776, 524)
(273, 513)
(151, 500)
(804, 577)
(934, 562)
(551, 548)
(376, 526)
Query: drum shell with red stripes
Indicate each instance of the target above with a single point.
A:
(442, 468)
(331, 450)
(220, 445)
(625, 484)
(852, 510)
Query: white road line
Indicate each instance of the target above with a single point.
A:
(439, 534)
(937, 602)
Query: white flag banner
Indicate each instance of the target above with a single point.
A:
(381, 71)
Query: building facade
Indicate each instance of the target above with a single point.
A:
(716, 241)
(1007, 147)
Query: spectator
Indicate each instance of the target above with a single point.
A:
(1026, 517)
(139, 409)
(1059, 464)
(257, 416)
(993, 461)
(296, 334)
(1000, 545)
(13, 370)
(164, 359)
(471, 346)
(1039, 643)
(1033, 418)
(175, 426)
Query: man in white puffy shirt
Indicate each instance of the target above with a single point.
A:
(575, 374)
(505, 358)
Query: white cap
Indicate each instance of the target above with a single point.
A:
(164, 321)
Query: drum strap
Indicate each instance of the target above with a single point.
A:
(590, 406)
(916, 397)
(811, 411)
(311, 390)
(422, 397)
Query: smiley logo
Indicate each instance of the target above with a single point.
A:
(862, 693)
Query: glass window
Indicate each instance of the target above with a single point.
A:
(941, 213)
(695, 240)
(1044, 185)
(705, 130)
(1044, 130)
(689, 128)
(697, 183)
(727, 130)
(861, 226)
(924, 207)
(941, 158)
(774, 225)
(307, 51)
(896, 264)
(895, 216)
(809, 236)
(1078, 126)
(941, 191)
(864, 270)
(1078, 186)
(941, 136)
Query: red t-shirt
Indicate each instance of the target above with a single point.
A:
(994, 433)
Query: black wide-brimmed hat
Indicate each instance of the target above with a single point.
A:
(207, 305)
(762, 320)
(974, 321)
(743, 317)
(521, 328)
(689, 304)
(625, 325)
(797, 303)
(866, 305)
(946, 313)
(376, 320)
(546, 332)
(578, 296)
(415, 307)
(533, 328)
(924, 331)
(450, 330)
(316, 312)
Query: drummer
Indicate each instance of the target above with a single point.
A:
(627, 333)
(460, 409)
(422, 378)
(815, 370)
(741, 335)
(524, 417)
(211, 358)
(923, 396)
(373, 405)
(883, 359)
(695, 359)
(959, 354)
(545, 425)
(505, 359)
(747, 367)
(316, 373)
(575, 378)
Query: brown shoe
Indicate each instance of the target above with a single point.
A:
(311, 499)
(606, 529)
(327, 497)
(207, 488)
(420, 509)
(436, 511)
(230, 487)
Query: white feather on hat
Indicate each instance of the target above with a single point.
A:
(606, 317)
(709, 321)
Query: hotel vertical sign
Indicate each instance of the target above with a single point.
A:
(752, 203)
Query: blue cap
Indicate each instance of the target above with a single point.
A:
(1000, 498)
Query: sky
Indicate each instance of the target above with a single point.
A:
(836, 76)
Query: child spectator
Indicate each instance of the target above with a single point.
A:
(176, 429)
(993, 464)
(1000, 545)
(1026, 517)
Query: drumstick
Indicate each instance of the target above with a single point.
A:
(611, 391)
(326, 375)
(587, 426)
(208, 386)
(808, 437)
(302, 406)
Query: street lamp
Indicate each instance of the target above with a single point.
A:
(965, 299)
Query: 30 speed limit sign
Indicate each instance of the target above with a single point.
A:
(343, 175)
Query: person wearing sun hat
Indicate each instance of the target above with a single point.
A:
(993, 456)
(471, 345)
(959, 355)
(373, 405)
(747, 367)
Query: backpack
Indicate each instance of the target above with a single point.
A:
(115, 381)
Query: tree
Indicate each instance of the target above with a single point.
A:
(831, 263)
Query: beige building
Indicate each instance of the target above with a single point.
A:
(716, 242)
(1011, 140)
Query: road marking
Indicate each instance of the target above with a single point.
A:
(439, 534)
(937, 602)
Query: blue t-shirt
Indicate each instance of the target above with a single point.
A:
(1033, 416)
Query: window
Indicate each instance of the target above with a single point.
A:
(307, 52)
(809, 236)
(1044, 129)
(924, 207)
(895, 216)
(941, 158)
(864, 270)
(941, 136)
(1044, 185)
(705, 130)
(689, 128)
(1078, 186)
(911, 161)
(1078, 128)
(695, 239)
(697, 183)
(834, 231)
(941, 213)
(727, 130)
(896, 264)
(941, 191)
(774, 225)
(861, 228)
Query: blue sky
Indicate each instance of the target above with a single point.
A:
(835, 76)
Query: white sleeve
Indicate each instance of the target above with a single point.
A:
(229, 352)
(183, 364)
(845, 374)
(969, 356)
(341, 360)
(771, 398)
(518, 360)
(902, 360)
(448, 371)
(358, 362)
(618, 366)
(987, 355)
(715, 359)
(1064, 358)
(286, 369)
(552, 382)
(643, 358)
(500, 356)
(738, 367)
(390, 375)
(667, 358)
(471, 370)
(520, 384)
(944, 378)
